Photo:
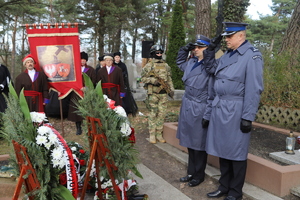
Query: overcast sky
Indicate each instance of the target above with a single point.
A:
(257, 6)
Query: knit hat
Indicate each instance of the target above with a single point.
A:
(26, 58)
(117, 54)
(84, 55)
(101, 58)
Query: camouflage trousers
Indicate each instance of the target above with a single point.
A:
(158, 109)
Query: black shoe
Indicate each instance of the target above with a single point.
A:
(232, 198)
(216, 194)
(186, 178)
(194, 182)
(78, 127)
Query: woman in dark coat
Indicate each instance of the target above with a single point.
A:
(128, 102)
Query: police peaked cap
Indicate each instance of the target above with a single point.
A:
(84, 55)
(117, 54)
(233, 27)
(202, 41)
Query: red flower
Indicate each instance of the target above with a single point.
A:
(63, 179)
(82, 151)
(82, 162)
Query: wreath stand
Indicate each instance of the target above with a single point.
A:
(31, 182)
(100, 152)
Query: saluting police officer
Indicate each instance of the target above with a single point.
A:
(194, 107)
(238, 87)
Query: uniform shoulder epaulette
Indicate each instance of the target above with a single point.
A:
(254, 49)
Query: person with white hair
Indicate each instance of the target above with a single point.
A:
(111, 78)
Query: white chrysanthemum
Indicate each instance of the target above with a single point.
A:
(57, 153)
(55, 163)
(61, 164)
(104, 185)
(40, 140)
(73, 148)
(43, 130)
(120, 111)
(125, 129)
(101, 178)
(48, 145)
(52, 138)
(38, 117)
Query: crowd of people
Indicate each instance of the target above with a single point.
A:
(218, 107)
(34, 84)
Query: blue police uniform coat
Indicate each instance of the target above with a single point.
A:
(195, 102)
(238, 86)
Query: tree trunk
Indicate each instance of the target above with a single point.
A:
(202, 13)
(13, 50)
(134, 44)
(291, 38)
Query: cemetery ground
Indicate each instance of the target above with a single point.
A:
(262, 143)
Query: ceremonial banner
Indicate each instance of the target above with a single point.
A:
(57, 52)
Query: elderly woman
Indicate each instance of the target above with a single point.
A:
(111, 78)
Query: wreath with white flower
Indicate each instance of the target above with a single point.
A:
(46, 149)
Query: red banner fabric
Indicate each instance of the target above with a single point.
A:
(57, 53)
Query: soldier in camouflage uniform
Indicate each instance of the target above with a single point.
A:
(157, 78)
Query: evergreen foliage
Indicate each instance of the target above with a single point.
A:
(18, 128)
(281, 83)
(176, 40)
(234, 10)
(123, 152)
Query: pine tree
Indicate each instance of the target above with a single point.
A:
(176, 40)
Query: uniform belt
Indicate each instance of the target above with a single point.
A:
(226, 97)
(230, 97)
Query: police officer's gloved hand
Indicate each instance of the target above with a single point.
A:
(214, 43)
(189, 47)
(246, 126)
(205, 123)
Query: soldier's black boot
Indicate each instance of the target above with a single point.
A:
(78, 127)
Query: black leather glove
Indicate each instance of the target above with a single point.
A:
(189, 47)
(246, 126)
(214, 43)
(205, 123)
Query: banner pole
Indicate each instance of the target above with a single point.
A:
(61, 118)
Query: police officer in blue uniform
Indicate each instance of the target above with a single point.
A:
(238, 87)
(194, 107)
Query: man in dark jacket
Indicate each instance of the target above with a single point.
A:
(5, 79)
(35, 85)
(194, 107)
(72, 115)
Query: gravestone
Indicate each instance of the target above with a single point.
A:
(290, 159)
